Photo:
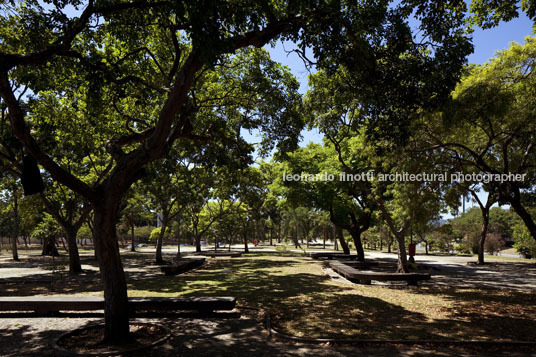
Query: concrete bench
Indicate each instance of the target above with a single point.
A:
(325, 255)
(365, 277)
(359, 264)
(215, 254)
(182, 266)
(51, 304)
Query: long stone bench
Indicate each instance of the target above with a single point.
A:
(50, 304)
(359, 264)
(327, 255)
(365, 277)
(182, 266)
(215, 254)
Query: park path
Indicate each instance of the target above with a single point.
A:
(461, 271)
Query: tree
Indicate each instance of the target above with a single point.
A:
(473, 188)
(488, 126)
(48, 232)
(250, 195)
(65, 206)
(70, 212)
(138, 76)
(348, 206)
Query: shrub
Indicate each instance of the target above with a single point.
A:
(463, 249)
(142, 234)
(156, 232)
(84, 233)
(493, 243)
(523, 242)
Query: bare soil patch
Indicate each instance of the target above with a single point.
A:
(89, 339)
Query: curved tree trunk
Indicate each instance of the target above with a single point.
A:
(356, 236)
(400, 236)
(524, 215)
(160, 241)
(340, 236)
(74, 257)
(115, 287)
(197, 243)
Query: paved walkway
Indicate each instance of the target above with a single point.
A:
(462, 272)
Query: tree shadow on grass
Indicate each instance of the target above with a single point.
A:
(301, 302)
(484, 313)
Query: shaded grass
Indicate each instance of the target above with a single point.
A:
(307, 302)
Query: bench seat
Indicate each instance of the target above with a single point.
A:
(182, 266)
(220, 254)
(325, 255)
(365, 277)
(47, 304)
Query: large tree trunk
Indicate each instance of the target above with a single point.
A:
(400, 236)
(49, 247)
(295, 238)
(74, 257)
(357, 228)
(340, 236)
(160, 240)
(197, 243)
(356, 236)
(14, 245)
(15, 228)
(483, 234)
(402, 264)
(484, 209)
(245, 236)
(246, 249)
(116, 312)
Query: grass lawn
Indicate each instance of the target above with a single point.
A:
(306, 302)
